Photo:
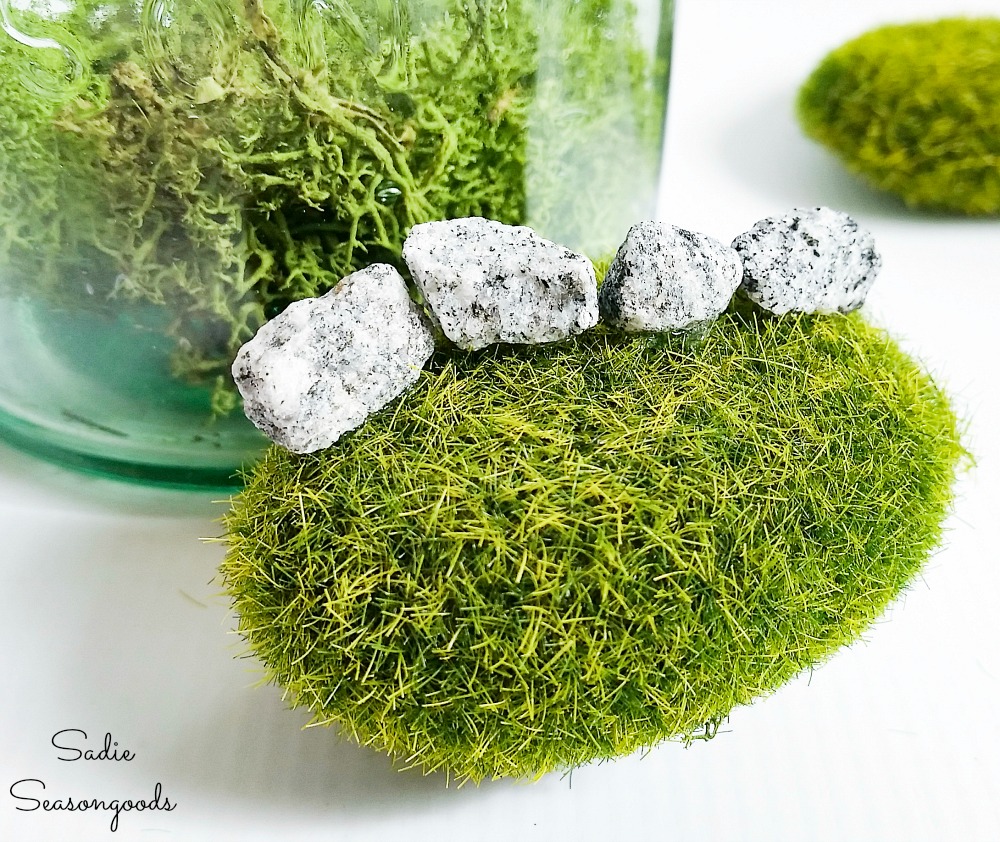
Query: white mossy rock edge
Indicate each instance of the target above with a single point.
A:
(814, 260)
(321, 367)
(668, 279)
(485, 282)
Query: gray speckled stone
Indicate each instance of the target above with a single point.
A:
(668, 279)
(808, 261)
(486, 282)
(325, 364)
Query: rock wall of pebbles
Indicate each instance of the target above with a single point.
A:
(324, 365)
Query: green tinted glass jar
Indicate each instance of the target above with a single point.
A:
(173, 174)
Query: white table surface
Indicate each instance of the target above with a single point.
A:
(110, 620)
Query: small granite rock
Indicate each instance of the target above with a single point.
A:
(322, 366)
(668, 279)
(808, 261)
(486, 282)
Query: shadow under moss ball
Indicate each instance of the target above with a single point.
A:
(915, 110)
(544, 556)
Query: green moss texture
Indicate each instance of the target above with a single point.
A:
(222, 158)
(915, 110)
(541, 557)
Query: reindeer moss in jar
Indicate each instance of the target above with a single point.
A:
(173, 174)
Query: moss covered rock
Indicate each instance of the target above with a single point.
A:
(915, 110)
(542, 556)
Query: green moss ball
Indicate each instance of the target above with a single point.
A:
(545, 556)
(915, 110)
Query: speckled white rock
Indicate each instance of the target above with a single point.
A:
(322, 366)
(813, 260)
(486, 282)
(668, 279)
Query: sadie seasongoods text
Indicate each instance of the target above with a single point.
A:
(72, 744)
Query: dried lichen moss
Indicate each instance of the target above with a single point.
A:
(253, 152)
(915, 110)
(544, 556)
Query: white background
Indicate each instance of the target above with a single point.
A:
(110, 620)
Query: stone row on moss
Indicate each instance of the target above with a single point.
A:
(317, 370)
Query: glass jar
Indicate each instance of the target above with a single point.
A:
(175, 172)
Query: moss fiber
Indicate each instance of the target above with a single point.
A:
(915, 110)
(541, 557)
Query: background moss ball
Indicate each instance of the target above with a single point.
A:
(915, 110)
(542, 556)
